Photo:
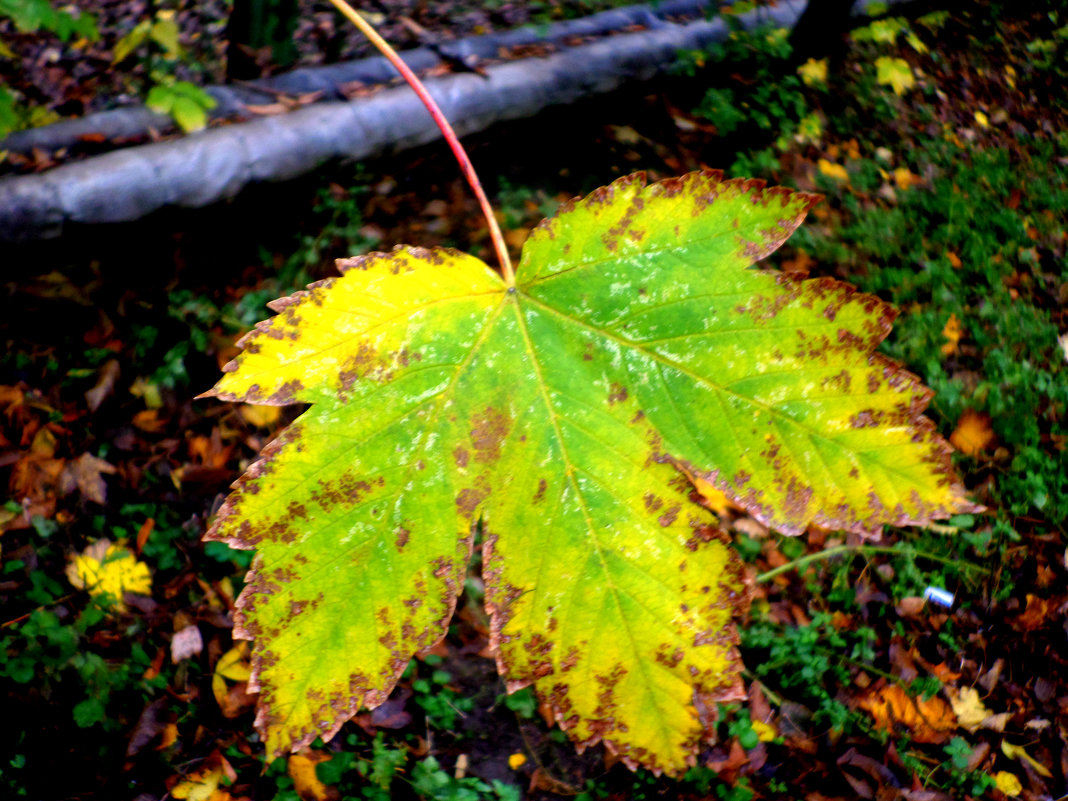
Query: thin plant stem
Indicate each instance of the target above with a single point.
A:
(446, 129)
(862, 549)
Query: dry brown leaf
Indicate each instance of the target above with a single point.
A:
(86, 474)
(1037, 614)
(186, 643)
(892, 709)
(105, 385)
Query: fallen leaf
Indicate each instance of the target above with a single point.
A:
(234, 664)
(259, 416)
(186, 643)
(516, 761)
(892, 709)
(106, 570)
(1018, 752)
(1038, 612)
(895, 73)
(203, 783)
(86, 474)
(832, 170)
(972, 434)
(149, 421)
(982, 119)
(905, 178)
(105, 385)
(144, 533)
(1007, 782)
(952, 332)
(301, 769)
(766, 732)
(968, 707)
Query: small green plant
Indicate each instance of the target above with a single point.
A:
(432, 783)
(443, 705)
(31, 17)
(187, 103)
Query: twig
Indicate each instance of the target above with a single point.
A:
(863, 549)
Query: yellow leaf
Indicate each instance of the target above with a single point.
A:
(916, 42)
(973, 433)
(952, 332)
(813, 72)
(982, 119)
(234, 664)
(905, 179)
(766, 732)
(954, 260)
(968, 707)
(892, 708)
(305, 781)
(1018, 752)
(516, 761)
(1007, 782)
(260, 416)
(203, 783)
(108, 570)
(832, 170)
(895, 73)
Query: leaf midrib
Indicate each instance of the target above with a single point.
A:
(570, 471)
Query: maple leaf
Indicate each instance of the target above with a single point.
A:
(895, 73)
(109, 571)
(636, 347)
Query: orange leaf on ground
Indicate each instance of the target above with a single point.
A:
(973, 433)
(892, 709)
(952, 332)
(1038, 612)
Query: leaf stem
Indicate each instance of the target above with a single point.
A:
(446, 129)
(862, 549)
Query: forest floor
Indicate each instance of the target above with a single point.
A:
(940, 147)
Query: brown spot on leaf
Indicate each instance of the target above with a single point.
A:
(490, 429)
(617, 394)
(469, 499)
(460, 456)
(669, 516)
(403, 535)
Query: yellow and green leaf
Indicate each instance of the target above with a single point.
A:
(637, 347)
